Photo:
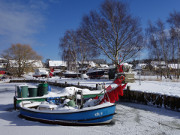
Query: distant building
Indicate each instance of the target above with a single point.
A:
(3, 63)
(140, 66)
(57, 64)
(99, 61)
(174, 66)
(104, 66)
(157, 64)
(34, 63)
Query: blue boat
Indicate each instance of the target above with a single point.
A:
(99, 114)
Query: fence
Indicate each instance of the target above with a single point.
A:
(168, 102)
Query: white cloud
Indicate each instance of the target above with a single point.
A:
(20, 20)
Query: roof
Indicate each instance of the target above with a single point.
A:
(104, 65)
(92, 64)
(36, 63)
(56, 63)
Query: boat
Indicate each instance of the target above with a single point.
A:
(71, 74)
(95, 73)
(52, 113)
(19, 98)
(41, 72)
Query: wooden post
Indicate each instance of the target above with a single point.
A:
(15, 103)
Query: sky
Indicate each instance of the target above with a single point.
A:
(41, 23)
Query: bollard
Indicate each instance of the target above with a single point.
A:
(96, 86)
(128, 87)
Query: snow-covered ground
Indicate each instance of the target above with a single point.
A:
(131, 119)
(165, 87)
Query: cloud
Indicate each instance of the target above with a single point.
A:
(20, 21)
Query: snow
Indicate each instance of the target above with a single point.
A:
(165, 87)
(131, 119)
(70, 72)
(56, 63)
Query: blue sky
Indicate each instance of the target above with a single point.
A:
(41, 23)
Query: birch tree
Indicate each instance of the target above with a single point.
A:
(113, 30)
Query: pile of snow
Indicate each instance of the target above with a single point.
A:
(72, 90)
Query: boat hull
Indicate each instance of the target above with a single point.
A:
(89, 116)
(72, 75)
(96, 74)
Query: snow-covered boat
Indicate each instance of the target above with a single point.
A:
(71, 74)
(41, 72)
(52, 113)
(55, 96)
(95, 73)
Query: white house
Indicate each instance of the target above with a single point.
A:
(174, 66)
(57, 64)
(35, 63)
(140, 66)
(3, 63)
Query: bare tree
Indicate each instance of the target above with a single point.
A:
(174, 21)
(159, 44)
(85, 50)
(20, 58)
(75, 49)
(69, 45)
(113, 30)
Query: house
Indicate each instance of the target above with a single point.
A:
(57, 64)
(3, 63)
(83, 68)
(157, 64)
(174, 66)
(140, 66)
(34, 63)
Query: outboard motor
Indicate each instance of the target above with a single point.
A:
(79, 98)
